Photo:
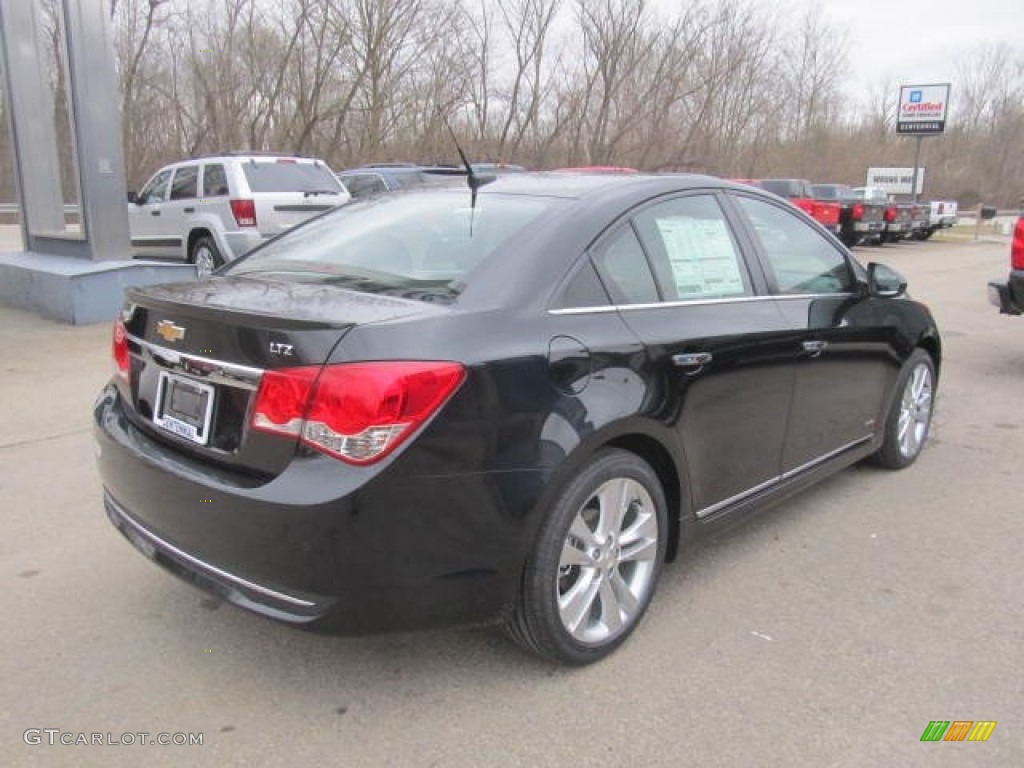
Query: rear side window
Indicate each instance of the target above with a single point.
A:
(692, 248)
(288, 176)
(584, 289)
(186, 183)
(798, 258)
(623, 267)
(215, 181)
(364, 184)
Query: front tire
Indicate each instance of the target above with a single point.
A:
(206, 256)
(909, 419)
(595, 564)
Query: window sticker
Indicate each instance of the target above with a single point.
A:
(702, 255)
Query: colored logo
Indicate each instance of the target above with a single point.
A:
(915, 97)
(958, 730)
(169, 332)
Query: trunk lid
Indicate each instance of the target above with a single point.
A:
(198, 351)
(277, 212)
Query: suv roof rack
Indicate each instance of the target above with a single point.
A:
(251, 153)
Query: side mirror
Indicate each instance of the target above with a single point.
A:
(133, 197)
(885, 282)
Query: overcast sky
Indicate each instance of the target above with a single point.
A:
(919, 41)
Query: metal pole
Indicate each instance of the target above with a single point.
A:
(917, 165)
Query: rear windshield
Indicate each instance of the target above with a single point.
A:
(416, 244)
(782, 187)
(289, 176)
(828, 191)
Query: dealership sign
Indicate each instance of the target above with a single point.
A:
(896, 181)
(922, 109)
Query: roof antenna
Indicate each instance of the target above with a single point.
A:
(474, 181)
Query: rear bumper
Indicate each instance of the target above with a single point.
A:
(1008, 295)
(868, 227)
(231, 587)
(323, 545)
(241, 242)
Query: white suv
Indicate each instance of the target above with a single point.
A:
(210, 210)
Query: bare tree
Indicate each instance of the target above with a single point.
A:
(528, 24)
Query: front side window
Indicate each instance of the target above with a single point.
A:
(799, 258)
(156, 190)
(692, 248)
(186, 183)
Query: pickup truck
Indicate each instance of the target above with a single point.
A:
(920, 228)
(1008, 294)
(800, 194)
(859, 220)
(899, 217)
(941, 216)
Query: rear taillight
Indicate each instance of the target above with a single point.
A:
(1017, 248)
(357, 412)
(890, 213)
(122, 361)
(857, 212)
(244, 212)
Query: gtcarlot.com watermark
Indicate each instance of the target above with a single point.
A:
(57, 737)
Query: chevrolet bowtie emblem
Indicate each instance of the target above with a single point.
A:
(168, 331)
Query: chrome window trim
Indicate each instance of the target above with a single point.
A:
(230, 374)
(696, 303)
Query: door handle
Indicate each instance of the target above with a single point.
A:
(154, 213)
(814, 348)
(190, 209)
(693, 362)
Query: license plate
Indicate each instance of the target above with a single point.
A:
(184, 407)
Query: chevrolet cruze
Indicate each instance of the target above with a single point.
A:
(512, 403)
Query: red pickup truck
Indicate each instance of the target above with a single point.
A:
(859, 220)
(800, 194)
(1008, 294)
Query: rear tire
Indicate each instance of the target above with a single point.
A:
(206, 256)
(595, 563)
(909, 420)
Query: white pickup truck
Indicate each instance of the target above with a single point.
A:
(943, 215)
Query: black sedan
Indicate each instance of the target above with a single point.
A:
(440, 407)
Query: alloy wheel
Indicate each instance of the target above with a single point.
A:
(915, 411)
(607, 566)
(205, 261)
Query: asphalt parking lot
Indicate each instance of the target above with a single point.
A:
(828, 632)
